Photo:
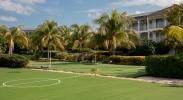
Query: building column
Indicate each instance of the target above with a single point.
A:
(154, 23)
(165, 22)
(138, 26)
(154, 36)
(148, 32)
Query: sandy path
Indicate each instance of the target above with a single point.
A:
(166, 81)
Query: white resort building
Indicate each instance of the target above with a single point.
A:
(150, 25)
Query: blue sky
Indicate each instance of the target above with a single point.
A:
(31, 13)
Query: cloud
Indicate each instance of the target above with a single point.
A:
(19, 6)
(31, 1)
(52, 12)
(160, 3)
(8, 18)
(139, 12)
(9, 5)
(94, 13)
(178, 1)
(93, 10)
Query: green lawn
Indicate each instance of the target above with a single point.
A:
(105, 69)
(74, 87)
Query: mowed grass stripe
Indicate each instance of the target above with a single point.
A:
(28, 82)
(104, 69)
(86, 88)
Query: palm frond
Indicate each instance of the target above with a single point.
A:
(4, 30)
(175, 32)
(22, 40)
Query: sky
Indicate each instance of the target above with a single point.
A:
(31, 13)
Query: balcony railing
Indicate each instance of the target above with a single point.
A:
(154, 24)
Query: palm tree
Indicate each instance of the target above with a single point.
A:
(174, 37)
(175, 15)
(3, 45)
(66, 35)
(81, 35)
(113, 31)
(35, 40)
(176, 33)
(15, 35)
(50, 37)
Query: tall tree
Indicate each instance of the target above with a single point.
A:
(174, 32)
(35, 40)
(175, 15)
(15, 35)
(113, 31)
(3, 44)
(174, 37)
(81, 35)
(50, 37)
(66, 35)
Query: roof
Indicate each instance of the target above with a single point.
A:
(156, 14)
(142, 14)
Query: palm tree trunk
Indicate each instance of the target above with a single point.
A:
(11, 47)
(95, 56)
(48, 53)
(10, 51)
(1, 52)
(50, 59)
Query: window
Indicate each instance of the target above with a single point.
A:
(160, 23)
(150, 24)
(144, 35)
(159, 36)
(143, 25)
(151, 35)
(135, 26)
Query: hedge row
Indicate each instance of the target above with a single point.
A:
(127, 60)
(13, 61)
(99, 56)
(165, 66)
(91, 57)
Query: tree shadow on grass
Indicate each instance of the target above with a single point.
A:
(66, 63)
(55, 64)
(73, 63)
(172, 85)
(139, 73)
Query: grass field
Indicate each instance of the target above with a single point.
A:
(74, 87)
(104, 69)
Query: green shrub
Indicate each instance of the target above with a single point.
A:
(30, 57)
(165, 66)
(3, 44)
(127, 60)
(162, 48)
(146, 48)
(61, 56)
(73, 57)
(81, 50)
(44, 54)
(13, 61)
